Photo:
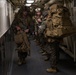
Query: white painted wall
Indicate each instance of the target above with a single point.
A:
(3, 17)
(11, 13)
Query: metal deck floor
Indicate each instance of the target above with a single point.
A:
(37, 66)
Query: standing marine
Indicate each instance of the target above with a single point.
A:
(21, 29)
(61, 26)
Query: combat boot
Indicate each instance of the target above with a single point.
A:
(24, 61)
(19, 62)
(44, 53)
(47, 58)
(52, 70)
(41, 51)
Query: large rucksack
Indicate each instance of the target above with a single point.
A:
(61, 24)
(18, 38)
(22, 42)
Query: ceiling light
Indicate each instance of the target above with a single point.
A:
(27, 4)
(30, 1)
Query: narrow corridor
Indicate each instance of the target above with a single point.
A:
(37, 66)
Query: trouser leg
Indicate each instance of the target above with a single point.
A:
(22, 56)
(54, 54)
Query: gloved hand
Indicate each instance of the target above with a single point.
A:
(27, 30)
(18, 28)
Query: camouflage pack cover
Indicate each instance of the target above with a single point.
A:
(18, 38)
(53, 1)
(62, 25)
(21, 40)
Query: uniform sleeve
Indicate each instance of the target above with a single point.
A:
(23, 27)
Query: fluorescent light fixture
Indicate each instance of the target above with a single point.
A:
(27, 4)
(30, 1)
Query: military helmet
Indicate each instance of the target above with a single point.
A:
(38, 9)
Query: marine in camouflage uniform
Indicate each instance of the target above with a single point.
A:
(60, 27)
(41, 33)
(37, 22)
(21, 29)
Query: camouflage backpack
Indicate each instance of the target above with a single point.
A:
(61, 24)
